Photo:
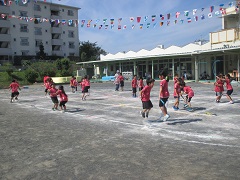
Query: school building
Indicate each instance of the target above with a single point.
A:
(220, 55)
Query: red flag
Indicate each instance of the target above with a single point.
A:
(138, 19)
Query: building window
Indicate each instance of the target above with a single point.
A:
(13, 12)
(37, 7)
(70, 13)
(62, 10)
(71, 45)
(25, 53)
(71, 54)
(23, 28)
(23, 14)
(38, 31)
(71, 34)
(24, 41)
(38, 43)
(14, 39)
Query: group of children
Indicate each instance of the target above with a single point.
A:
(180, 88)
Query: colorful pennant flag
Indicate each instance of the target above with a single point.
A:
(161, 16)
(211, 9)
(111, 21)
(153, 18)
(131, 19)
(189, 20)
(145, 18)
(168, 16)
(138, 19)
(194, 11)
(141, 26)
(186, 13)
(177, 14)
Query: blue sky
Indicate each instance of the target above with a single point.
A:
(114, 40)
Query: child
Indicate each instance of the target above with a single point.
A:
(140, 83)
(63, 98)
(134, 86)
(47, 85)
(163, 95)
(229, 88)
(145, 97)
(14, 86)
(189, 92)
(53, 96)
(121, 79)
(218, 88)
(86, 87)
(75, 83)
(176, 93)
(82, 84)
(72, 84)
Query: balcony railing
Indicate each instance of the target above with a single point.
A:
(228, 35)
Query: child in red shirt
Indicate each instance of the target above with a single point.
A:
(218, 88)
(140, 83)
(121, 79)
(163, 95)
(53, 95)
(176, 93)
(145, 97)
(189, 92)
(63, 98)
(229, 88)
(134, 86)
(14, 87)
(82, 84)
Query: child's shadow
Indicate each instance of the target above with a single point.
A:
(74, 110)
(181, 121)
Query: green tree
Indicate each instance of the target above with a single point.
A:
(90, 51)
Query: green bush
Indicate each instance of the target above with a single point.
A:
(31, 75)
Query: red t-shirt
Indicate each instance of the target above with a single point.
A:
(82, 85)
(52, 92)
(86, 82)
(177, 89)
(146, 93)
(140, 83)
(164, 92)
(63, 97)
(14, 86)
(134, 83)
(228, 84)
(121, 78)
(219, 86)
(188, 90)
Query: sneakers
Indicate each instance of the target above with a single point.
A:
(143, 114)
(231, 102)
(217, 101)
(16, 98)
(53, 109)
(63, 111)
(175, 108)
(185, 105)
(166, 117)
(147, 114)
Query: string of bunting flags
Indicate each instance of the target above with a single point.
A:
(140, 21)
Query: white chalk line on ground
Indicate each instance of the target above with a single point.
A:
(131, 124)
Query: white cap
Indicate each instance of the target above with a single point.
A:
(118, 71)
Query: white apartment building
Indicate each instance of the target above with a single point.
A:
(23, 27)
(220, 55)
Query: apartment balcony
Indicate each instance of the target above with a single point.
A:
(227, 35)
(56, 17)
(57, 53)
(5, 10)
(56, 30)
(5, 51)
(58, 42)
(5, 23)
(5, 37)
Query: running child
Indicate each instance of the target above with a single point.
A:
(163, 96)
(140, 83)
(72, 84)
(229, 88)
(63, 98)
(189, 94)
(47, 84)
(176, 93)
(86, 87)
(218, 87)
(75, 83)
(145, 97)
(82, 84)
(53, 95)
(134, 86)
(14, 87)
(121, 79)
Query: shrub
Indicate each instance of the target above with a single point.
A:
(31, 75)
